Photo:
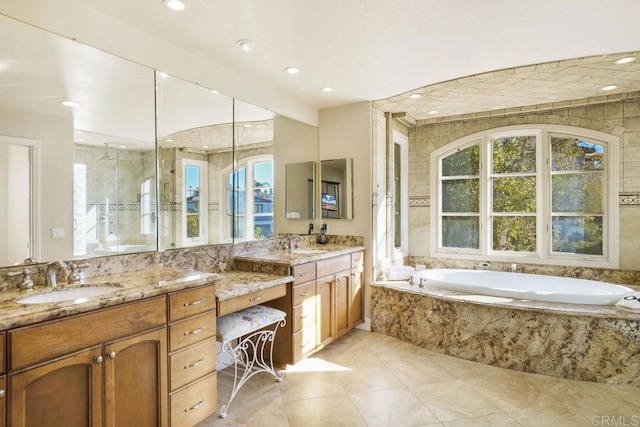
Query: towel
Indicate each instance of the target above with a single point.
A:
(630, 303)
(399, 273)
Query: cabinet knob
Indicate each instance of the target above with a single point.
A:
(112, 355)
(98, 359)
(2, 392)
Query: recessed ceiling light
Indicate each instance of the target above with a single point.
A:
(415, 96)
(292, 70)
(79, 140)
(214, 91)
(168, 140)
(205, 146)
(610, 87)
(247, 125)
(626, 60)
(433, 112)
(163, 75)
(327, 89)
(122, 146)
(246, 44)
(174, 4)
(70, 104)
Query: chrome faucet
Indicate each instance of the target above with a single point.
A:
(294, 242)
(50, 275)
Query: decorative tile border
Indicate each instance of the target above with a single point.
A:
(627, 199)
(419, 201)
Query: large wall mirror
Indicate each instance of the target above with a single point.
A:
(95, 181)
(220, 162)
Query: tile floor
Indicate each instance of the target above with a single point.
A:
(369, 379)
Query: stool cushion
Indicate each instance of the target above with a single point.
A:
(236, 324)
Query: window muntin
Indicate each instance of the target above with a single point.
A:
(546, 195)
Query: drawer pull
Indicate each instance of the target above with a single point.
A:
(303, 317)
(196, 406)
(2, 392)
(305, 274)
(304, 294)
(305, 345)
(195, 331)
(196, 302)
(196, 363)
(258, 298)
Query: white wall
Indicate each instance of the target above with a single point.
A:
(56, 174)
(345, 132)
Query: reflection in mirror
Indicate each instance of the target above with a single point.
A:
(18, 158)
(300, 190)
(336, 190)
(112, 103)
(250, 187)
(195, 151)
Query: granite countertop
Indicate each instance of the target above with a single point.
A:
(301, 255)
(606, 311)
(238, 283)
(129, 286)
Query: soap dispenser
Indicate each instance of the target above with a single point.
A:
(322, 237)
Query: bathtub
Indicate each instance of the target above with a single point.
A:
(522, 286)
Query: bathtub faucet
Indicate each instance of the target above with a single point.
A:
(422, 282)
(514, 267)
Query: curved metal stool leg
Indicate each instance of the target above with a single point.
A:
(250, 353)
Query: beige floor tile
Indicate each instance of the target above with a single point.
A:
(417, 371)
(555, 415)
(310, 385)
(594, 400)
(370, 377)
(493, 420)
(392, 407)
(330, 411)
(455, 400)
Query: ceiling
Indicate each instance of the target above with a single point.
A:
(374, 49)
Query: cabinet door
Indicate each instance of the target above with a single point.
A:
(356, 312)
(136, 380)
(3, 401)
(66, 392)
(324, 317)
(342, 303)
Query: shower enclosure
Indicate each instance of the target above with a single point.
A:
(114, 199)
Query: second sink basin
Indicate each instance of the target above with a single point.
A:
(78, 294)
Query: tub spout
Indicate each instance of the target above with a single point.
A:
(514, 268)
(422, 282)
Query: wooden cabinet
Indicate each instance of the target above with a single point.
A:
(192, 355)
(323, 303)
(3, 401)
(107, 367)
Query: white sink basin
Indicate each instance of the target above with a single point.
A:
(78, 295)
(307, 251)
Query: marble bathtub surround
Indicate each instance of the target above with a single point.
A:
(597, 343)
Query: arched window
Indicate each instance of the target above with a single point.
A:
(537, 194)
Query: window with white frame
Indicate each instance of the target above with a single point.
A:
(545, 194)
(146, 208)
(194, 202)
(250, 199)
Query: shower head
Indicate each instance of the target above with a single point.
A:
(106, 155)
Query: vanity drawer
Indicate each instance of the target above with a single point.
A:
(304, 342)
(3, 400)
(2, 347)
(192, 363)
(249, 300)
(191, 302)
(304, 315)
(356, 259)
(190, 331)
(303, 273)
(303, 292)
(32, 344)
(330, 266)
(194, 403)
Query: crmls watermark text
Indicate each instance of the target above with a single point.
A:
(615, 420)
